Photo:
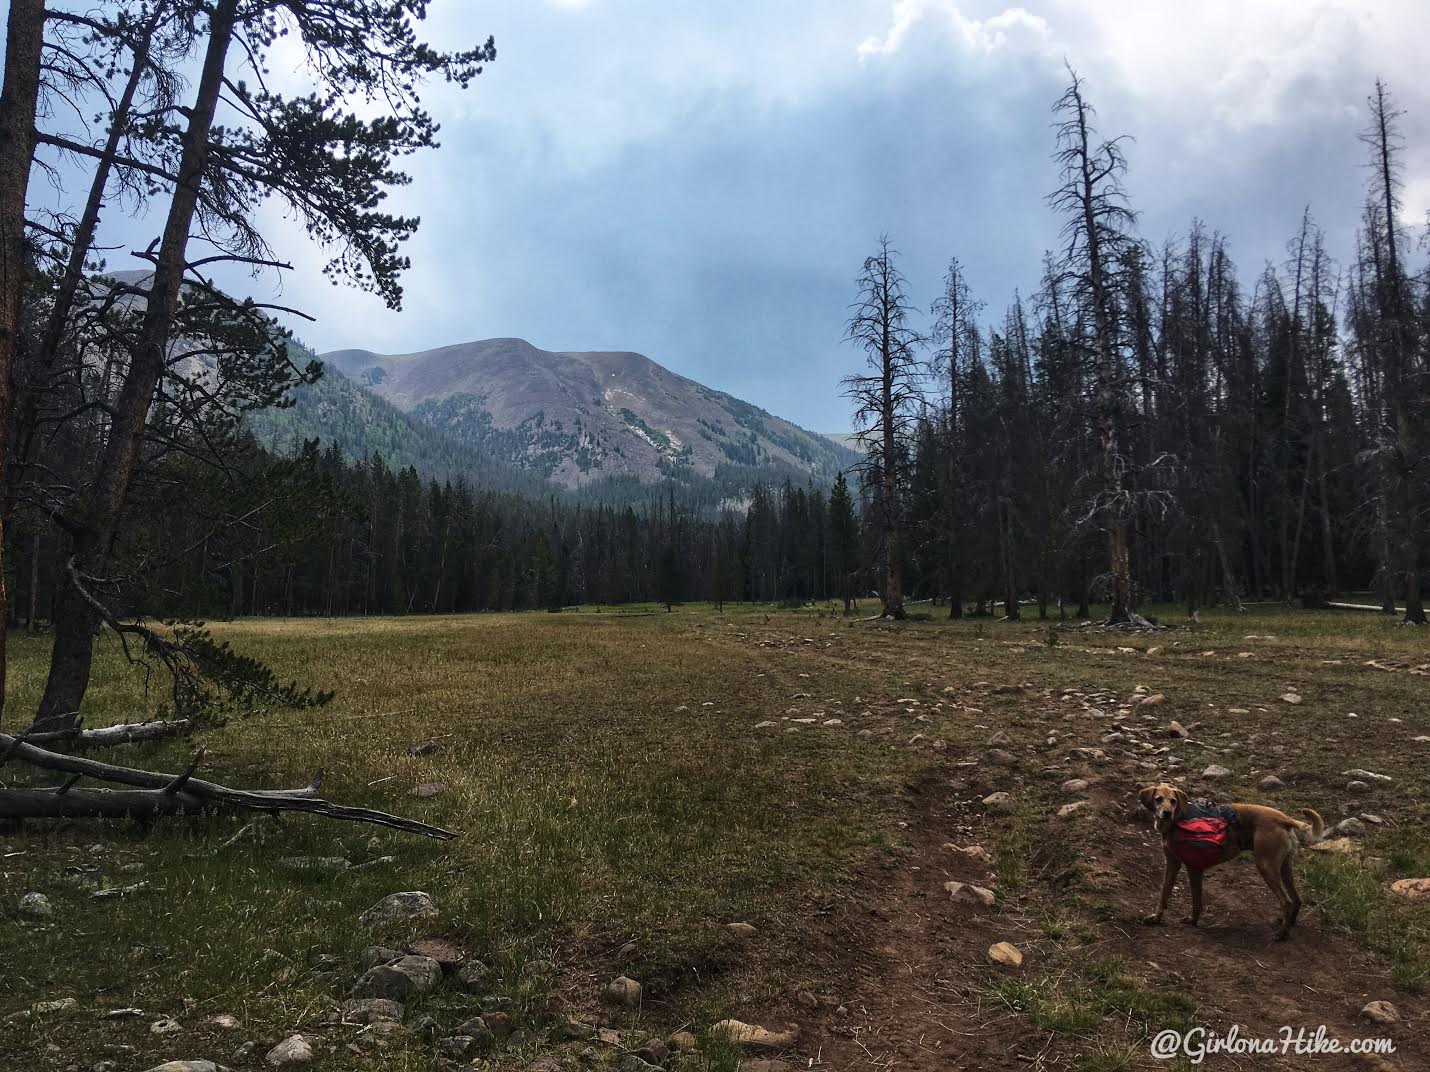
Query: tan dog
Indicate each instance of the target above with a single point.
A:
(1271, 835)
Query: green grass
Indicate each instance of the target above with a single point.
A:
(607, 830)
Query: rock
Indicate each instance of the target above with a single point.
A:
(59, 1005)
(374, 955)
(654, 1052)
(754, 1037)
(968, 893)
(424, 748)
(225, 1020)
(1005, 953)
(1153, 700)
(186, 1066)
(166, 1026)
(766, 725)
(633, 1063)
(442, 951)
(574, 1031)
(764, 1064)
(1291, 697)
(403, 977)
(496, 1003)
(976, 852)
(1380, 1012)
(400, 908)
(1070, 809)
(371, 1010)
(741, 930)
(1270, 784)
(1000, 738)
(1176, 729)
(1417, 889)
(1351, 827)
(998, 802)
(1074, 785)
(326, 864)
(426, 790)
(1000, 757)
(548, 1063)
(36, 905)
(1367, 776)
(623, 991)
(472, 976)
(683, 1042)
(292, 1051)
(1335, 846)
(499, 1024)
(456, 1047)
(1215, 771)
(1357, 786)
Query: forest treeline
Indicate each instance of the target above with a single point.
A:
(1148, 423)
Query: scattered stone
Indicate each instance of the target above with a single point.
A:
(442, 951)
(547, 1063)
(574, 1031)
(1000, 757)
(754, 1037)
(1368, 776)
(741, 930)
(399, 908)
(166, 1026)
(623, 991)
(371, 1010)
(36, 905)
(1238, 710)
(429, 789)
(1153, 700)
(403, 977)
(472, 976)
(1291, 697)
(1176, 729)
(1215, 771)
(1357, 786)
(1350, 827)
(1336, 846)
(325, 864)
(1380, 1012)
(499, 1024)
(1417, 889)
(1000, 738)
(1005, 953)
(832, 722)
(998, 801)
(654, 1052)
(683, 1042)
(1270, 784)
(1071, 809)
(968, 893)
(1074, 785)
(424, 748)
(185, 1066)
(764, 1064)
(456, 1047)
(765, 725)
(633, 1063)
(225, 1020)
(59, 1005)
(132, 1013)
(294, 1050)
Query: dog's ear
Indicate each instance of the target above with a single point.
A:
(1182, 799)
(1146, 795)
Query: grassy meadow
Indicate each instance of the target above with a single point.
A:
(617, 808)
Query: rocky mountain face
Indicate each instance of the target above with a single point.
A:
(578, 417)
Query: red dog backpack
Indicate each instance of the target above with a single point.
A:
(1199, 836)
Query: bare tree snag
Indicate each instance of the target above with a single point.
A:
(79, 739)
(167, 794)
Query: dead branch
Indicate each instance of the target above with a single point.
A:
(107, 736)
(168, 794)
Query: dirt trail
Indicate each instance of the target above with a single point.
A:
(910, 967)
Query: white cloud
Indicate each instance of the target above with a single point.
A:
(1015, 26)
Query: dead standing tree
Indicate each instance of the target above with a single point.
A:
(885, 400)
(1096, 232)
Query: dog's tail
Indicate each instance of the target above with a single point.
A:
(1309, 835)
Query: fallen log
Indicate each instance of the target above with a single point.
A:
(170, 793)
(108, 736)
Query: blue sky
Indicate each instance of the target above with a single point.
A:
(700, 181)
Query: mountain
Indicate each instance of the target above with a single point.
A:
(578, 418)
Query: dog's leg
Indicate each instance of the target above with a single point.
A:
(1271, 872)
(1194, 879)
(1288, 880)
(1169, 879)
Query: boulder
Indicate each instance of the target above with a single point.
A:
(1176, 729)
(442, 951)
(187, 1066)
(741, 930)
(1270, 784)
(371, 1010)
(36, 905)
(427, 790)
(1380, 1012)
(1215, 771)
(1417, 889)
(404, 977)
(967, 893)
(473, 976)
(1068, 810)
(1074, 785)
(1351, 827)
(1336, 846)
(998, 802)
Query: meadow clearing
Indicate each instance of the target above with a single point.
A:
(626, 783)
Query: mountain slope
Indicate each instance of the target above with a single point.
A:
(580, 417)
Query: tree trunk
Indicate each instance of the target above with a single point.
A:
(74, 629)
(24, 41)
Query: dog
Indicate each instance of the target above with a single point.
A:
(1270, 835)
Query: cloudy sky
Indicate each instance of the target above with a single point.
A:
(700, 181)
